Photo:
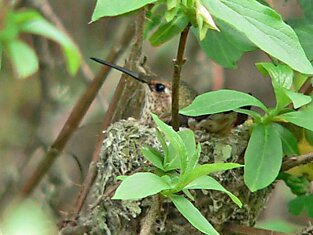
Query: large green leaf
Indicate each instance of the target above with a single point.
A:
(40, 26)
(220, 101)
(289, 141)
(304, 31)
(140, 185)
(224, 47)
(193, 215)
(207, 182)
(302, 118)
(263, 157)
(307, 7)
(23, 58)
(117, 7)
(168, 30)
(264, 27)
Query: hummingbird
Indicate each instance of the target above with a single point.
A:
(159, 101)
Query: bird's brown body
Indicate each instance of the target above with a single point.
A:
(159, 101)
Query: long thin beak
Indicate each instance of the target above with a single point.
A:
(121, 69)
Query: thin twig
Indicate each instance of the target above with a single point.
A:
(72, 122)
(292, 162)
(148, 221)
(133, 58)
(245, 230)
(178, 63)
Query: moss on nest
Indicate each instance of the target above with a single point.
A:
(121, 155)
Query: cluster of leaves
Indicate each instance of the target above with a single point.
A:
(21, 55)
(270, 140)
(244, 25)
(240, 26)
(177, 170)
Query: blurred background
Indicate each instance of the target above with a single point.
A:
(34, 109)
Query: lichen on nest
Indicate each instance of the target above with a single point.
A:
(121, 155)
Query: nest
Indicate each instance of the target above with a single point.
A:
(121, 155)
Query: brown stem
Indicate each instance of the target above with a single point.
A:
(150, 218)
(73, 121)
(178, 63)
(292, 162)
(245, 230)
(133, 58)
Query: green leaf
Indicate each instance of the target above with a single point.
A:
(281, 73)
(194, 159)
(299, 185)
(162, 141)
(299, 80)
(121, 177)
(256, 116)
(189, 140)
(302, 118)
(171, 4)
(224, 47)
(263, 157)
(220, 101)
(264, 27)
(170, 14)
(23, 58)
(304, 31)
(172, 161)
(289, 141)
(154, 18)
(43, 28)
(117, 7)
(140, 185)
(307, 7)
(309, 136)
(0, 56)
(9, 28)
(207, 182)
(301, 203)
(206, 169)
(166, 31)
(188, 194)
(193, 215)
(282, 100)
(153, 155)
(298, 99)
(174, 139)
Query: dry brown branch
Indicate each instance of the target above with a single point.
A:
(73, 121)
(292, 162)
(245, 230)
(150, 218)
(133, 58)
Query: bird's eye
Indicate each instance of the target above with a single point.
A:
(159, 87)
